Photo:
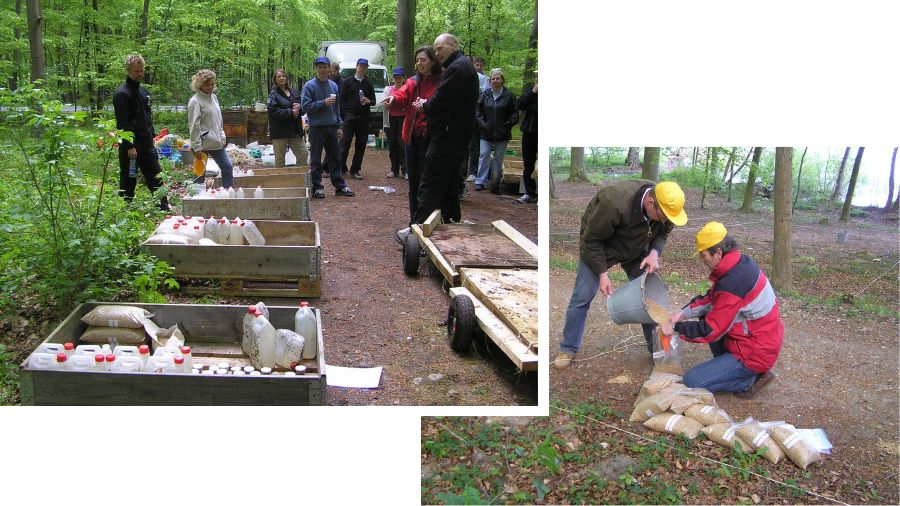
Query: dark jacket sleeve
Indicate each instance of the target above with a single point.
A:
(370, 92)
(512, 112)
(275, 109)
(124, 120)
(526, 100)
(600, 227)
(443, 98)
(479, 112)
(659, 242)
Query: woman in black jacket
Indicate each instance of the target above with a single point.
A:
(496, 113)
(285, 123)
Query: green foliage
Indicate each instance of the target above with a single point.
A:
(562, 263)
(470, 495)
(9, 377)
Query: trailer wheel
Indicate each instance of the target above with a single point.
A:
(411, 255)
(496, 178)
(461, 322)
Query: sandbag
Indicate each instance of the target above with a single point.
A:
(658, 381)
(725, 434)
(650, 407)
(708, 415)
(113, 335)
(170, 239)
(117, 316)
(670, 423)
(758, 437)
(798, 451)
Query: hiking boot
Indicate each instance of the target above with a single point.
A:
(471, 178)
(319, 194)
(405, 176)
(356, 175)
(527, 199)
(761, 381)
(464, 193)
(479, 187)
(344, 192)
(562, 360)
(401, 234)
(392, 174)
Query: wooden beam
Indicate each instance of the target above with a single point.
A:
(511, 294)
(516, 237)
(449, 273)
(433, 221)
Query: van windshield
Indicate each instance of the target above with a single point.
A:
(378, 77)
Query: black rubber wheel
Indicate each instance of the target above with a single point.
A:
(411, 255)
(496, 178)
(461, 322)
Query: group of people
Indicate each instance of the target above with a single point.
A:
(627, 223)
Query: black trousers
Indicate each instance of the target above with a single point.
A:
(395, 145)
(440, 186)
(325, 138)
(147, 162)
(357, 127)
(415, 163)
(529, 158)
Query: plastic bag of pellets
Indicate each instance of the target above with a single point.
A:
(674, 424)
(725, 434)
(117, 316)
(797, 449)
(657, 382)
(665, 353)
(707, 414)
(756, 436)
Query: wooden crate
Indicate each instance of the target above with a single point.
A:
(213, 332)
(289, 265)
(291, 169)
(234, 122)
(283, 204)
(285, 180)
(258, 127)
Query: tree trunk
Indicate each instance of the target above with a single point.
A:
(651, 164)
(747, 206)
(552, 182)
(406, 28)
(531, 54)
(632, 160)
(839, 183)
(711, 157)
(36, 38)
(17, 34)
(576, 171)
(781, 254)
(737, 171)
(845, 211)
(887, 207)
(145, 23)
(694, 158)
(729, 164)
(799, 173)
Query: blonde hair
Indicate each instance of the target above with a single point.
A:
(133, 59)
(498, 72)
(201, 78)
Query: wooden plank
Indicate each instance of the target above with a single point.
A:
(524, 358)
(479, 246)
(449, 273)
(517, 237)
(256, 288)
(433, 221)
(280, 208)
(269, 181)
(511, 294)
(272, 171)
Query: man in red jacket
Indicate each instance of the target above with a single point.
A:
(738, 317)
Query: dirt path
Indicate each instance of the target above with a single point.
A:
(838, 370)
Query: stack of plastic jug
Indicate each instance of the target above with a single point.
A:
(305, 325)
(262, 342)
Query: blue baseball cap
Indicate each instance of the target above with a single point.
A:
(399, 71)
(362, 61)
(322, 59)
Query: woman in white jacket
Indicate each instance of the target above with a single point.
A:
(205, 122)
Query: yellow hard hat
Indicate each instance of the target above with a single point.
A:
(711, 234)
(671, 201)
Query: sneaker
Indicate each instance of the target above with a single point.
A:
(562, 360)
(343, 192)
(405, 176)
(527, 199)
(464, 193)
(392, 174)
(761, 381)
(319, 194)
(471, 178)
(356, 175)
(479, 187)
(401, 234)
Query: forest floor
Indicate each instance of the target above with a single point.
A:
(374, 315)
(838, 371)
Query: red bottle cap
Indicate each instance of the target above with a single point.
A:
(196, 227)
(61, 357)
(304, 304)
(185, 350)
(294, 364)
(110, 357)
(99, 358)
(69, 346)
(187, 217)
(176, 226)
(251, 309)
(221, 221)
(144, 349)
(179, 359)
(168, 216)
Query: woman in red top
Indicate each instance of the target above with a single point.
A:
(415, 130)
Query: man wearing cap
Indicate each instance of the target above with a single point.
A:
(626, 223)
(738, 317)
(319, 100)
(357, 95)
(393, 126)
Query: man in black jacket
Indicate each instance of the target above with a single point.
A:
(357, 95)
(449, 114)
(528, 103)
(131, 102)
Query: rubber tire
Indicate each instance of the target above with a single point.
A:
(411, 255)
(496, 178)
(461, 323)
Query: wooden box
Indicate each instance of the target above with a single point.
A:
(278, 204)
(288, 265)
(296, 179)
(213, 332)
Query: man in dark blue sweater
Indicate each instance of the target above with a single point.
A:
(357, 96)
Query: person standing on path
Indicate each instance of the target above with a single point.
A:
(319, 100)
(393, 126)
(474, 145)
(131, 103)
(626, 223)
(497, 113)
(206, 127)
(285, 116)
(357, 95)
(528, 104)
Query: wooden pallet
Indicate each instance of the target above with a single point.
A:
(254, 287)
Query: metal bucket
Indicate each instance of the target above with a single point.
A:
(626, 304)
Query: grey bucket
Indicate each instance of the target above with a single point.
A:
(626, 304)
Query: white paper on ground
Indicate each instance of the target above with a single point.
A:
(352, 377)
(817, 439)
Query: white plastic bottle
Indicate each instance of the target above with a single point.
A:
(223, 233)
(143, 354)
(52, 348)
(252, 234)
(179, 362)
(80, 363)
(126, 351)
(231, 193)
(87, 349)
(259, 193)
(264, 334)
(261, 307)
(210, 228)
(69, 348)
(188, 358)
(161, 364)
(166, 351)
(235, 234)
(239, 193)
(195, 233)
(305, 325)
(110, 361)
(288, 347)
(246, 344)
(42, 361)
(127, 363)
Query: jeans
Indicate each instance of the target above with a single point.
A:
(355, 127)
(439, 188)
(325, 138)
(224, 163)
(724, 373)
(147, 162)
(297, 145)
(395, 145)
(485, 165)
(587, 283)
(415, 163)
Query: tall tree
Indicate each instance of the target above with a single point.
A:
(576, 171)
(890, 199)
(651, 164)
(406, 31)
(845, 211)
(712, 157)
(781, 254)
(17, 35)
(145, 23)
(747, 206)
(36, 38)
(738, 171)
(729, 164)
(799, 173)
(839, 182)
(694, 158)
(632, 160)
(531, 54)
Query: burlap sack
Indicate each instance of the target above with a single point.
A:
(725, 435)
(670, 423)
(707, 414)
(119, 335)
(795, 447)
(117, 316)
(758, 437)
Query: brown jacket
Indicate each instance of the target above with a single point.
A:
(614, 229)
